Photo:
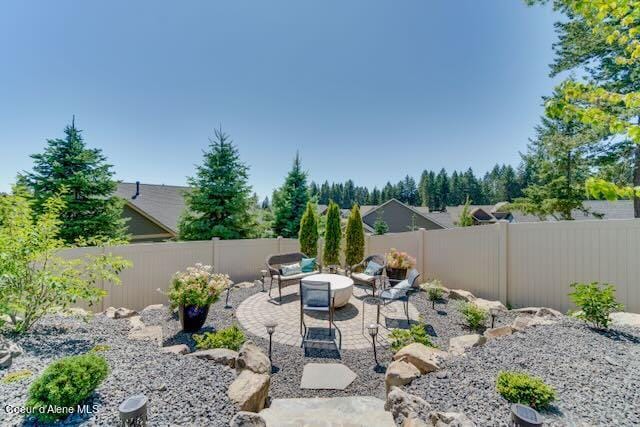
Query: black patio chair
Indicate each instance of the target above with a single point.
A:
(316, 297)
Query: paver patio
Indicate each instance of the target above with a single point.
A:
(257, 309)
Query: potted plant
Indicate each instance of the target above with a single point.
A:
(398, 263)
(193, 291)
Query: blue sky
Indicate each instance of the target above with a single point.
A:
(367, 90)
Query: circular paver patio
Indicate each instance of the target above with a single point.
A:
(257, 309)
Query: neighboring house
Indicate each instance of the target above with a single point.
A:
(153, 210)
(399, 217)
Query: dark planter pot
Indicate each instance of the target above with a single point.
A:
(396, 273)
(192, 317)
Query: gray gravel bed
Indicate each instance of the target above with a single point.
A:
(181, 391)
(596, 376)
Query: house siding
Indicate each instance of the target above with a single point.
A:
(139, 226)
(399, 218)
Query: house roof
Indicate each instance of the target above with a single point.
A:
(416, 210)
(162, 204)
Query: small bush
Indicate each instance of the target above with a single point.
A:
(16, 376)
(64, 384)
(403, 337)
(434, 293)
(473, 315)
(231, 338)
(596, 301)
(518, 387)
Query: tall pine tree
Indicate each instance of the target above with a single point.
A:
(290, 201)
(91, 209)
(309, 231)
(332, 236)
(221, 203)
(354, 252)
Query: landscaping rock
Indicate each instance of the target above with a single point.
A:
(154, 307)
(249, 391)
(5, 360)
(414, 422)
(461, 294)
(526, 310)
(119, 313)
(176, 349)
(523, 322)
(76, 311)
(400, 373)
(221, 356)
(136, 322)
(252, 358)
(8, 351)
(247, 419)
(426, 359)
(147, 333)
(548, 312)
(453, 419)
(490, 305)
(622, 318)
(459, 345)
(498, 332)
(403, 405)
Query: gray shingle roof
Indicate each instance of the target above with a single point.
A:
(163, 203)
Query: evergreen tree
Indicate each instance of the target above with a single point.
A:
(354, 252)
(91, 209)
(325, 194)
(348, 195)
(423, 188)
(442, 190)
(408, 191)
(510, 184)
(220, 203)
(265, 203)
(332, 237)
(314, 190)
(380, 227)
(375, 198)
(388, 192)
(290, 201)
(431, 191)
(465, 219)
(309, 231)
(456, 191)
(473, 188)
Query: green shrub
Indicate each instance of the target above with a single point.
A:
(403, 337)
(16, 376)
(596, 301)
(64, 384)
(473, 315)
(308, 235)
(231, 338)
(332, 236)
(354, 251)
(519, 387)
(434, 293)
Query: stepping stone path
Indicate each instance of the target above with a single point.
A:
(328, 412)
(326, 376)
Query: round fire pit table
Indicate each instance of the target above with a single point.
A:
(341, 286)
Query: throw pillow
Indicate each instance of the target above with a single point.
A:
(372, 268)
(290, 269)
(308, 265)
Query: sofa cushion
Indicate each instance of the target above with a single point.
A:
(396, 291)
(295, 276)
(361, 277)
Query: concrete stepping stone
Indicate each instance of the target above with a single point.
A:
(326, 376)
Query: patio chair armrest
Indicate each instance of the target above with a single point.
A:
(273, 271)
(350, 268)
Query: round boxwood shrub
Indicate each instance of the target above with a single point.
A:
(64, 384)
(519, 387)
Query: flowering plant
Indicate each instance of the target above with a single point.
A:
(197, 286)
(400, 260)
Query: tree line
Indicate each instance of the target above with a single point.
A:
(434, 190)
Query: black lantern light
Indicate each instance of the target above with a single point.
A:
(524, 416)
(373, 331)
(271, 328)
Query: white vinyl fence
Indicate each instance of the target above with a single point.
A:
(528, 264)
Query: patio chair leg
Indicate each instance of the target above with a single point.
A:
(280, 293)
(406, 311)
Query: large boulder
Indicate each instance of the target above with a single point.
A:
(252, 358)
(501, 331)
(523, 322)
(459, 345)
(548, 312)
(461, 294)
(426, 359)
(622, 318)
(221, 356)
(119, 313)
(403, 405)
(247, 419)
(400, 373)
(8, 351)
(414, 422)
(153, 307)
(488, 305)
(136, 322)
(250, 391)
(452, 419)
(147, 333)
